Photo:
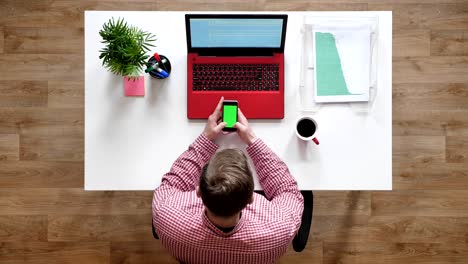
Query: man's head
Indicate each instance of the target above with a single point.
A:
(226, 183)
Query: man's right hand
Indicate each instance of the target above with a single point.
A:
(212, 127)
(243, 129)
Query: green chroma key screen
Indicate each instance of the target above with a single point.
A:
(230, 115)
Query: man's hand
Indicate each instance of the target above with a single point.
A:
(243, 129)
(212, 127)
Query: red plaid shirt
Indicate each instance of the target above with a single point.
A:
(266, 226)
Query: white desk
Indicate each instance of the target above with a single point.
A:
(131, 142)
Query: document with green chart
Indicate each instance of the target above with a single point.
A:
(342, 63)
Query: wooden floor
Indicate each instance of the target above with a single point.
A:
(46, 217)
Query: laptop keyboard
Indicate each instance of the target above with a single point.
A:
(235, 77)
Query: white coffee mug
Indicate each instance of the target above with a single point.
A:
(306, 129)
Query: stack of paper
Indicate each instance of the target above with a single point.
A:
(342, 56)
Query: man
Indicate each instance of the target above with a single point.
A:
(205, 210)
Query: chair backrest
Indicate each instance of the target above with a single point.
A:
(300, 240)
(154, 232)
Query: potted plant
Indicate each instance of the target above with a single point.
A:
(125, 52)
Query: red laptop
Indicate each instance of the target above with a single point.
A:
(240, 57)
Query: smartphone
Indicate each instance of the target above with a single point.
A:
(230, 114)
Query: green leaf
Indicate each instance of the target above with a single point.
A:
(125, 47)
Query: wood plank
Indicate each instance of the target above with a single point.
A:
(312, 253)
(394, 253)
(23, 67)
(43, 40)
(438, 115)
(411, 42)
(420, 203)
(419, 127)
(412, 120)
(430, 176)
(441, 109)
(65, 67)
(454, 125)
(54, 13)
(54, 252)
(449, 43)
(418, 149)
(412, 229)
(9, 147)
(8, 124)
(441, 16)
(429, 109)
(69, 201)
(457, 149)
(341, 203)
(48, 148)
(300, 5)
(1, 40)
(140, 252)
(42, 121)
(458, 126)
(430, 96)
(260, 5)
(100, 228)
(23, 228)
(41, 67)
(66, 94)
(23, 94)
(40, 174)
(443, 69)
(181, 5)
(365, 1)
(349, 228)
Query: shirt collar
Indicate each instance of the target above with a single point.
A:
(219, 232)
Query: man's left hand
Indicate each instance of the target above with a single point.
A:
(212, 127)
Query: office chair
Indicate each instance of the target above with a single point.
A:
(300, 240)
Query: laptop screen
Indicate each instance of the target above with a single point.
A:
(236, 32)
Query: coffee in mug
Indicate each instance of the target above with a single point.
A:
(306, 127)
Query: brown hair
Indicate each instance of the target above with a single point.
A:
(226, 183)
